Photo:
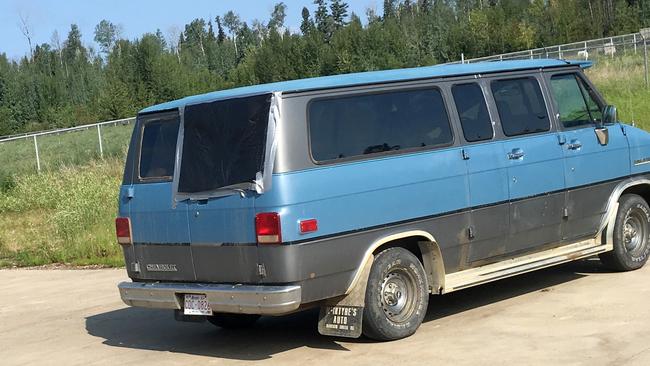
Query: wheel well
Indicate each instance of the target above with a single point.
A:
(427, 252)
(642, 190)
(409, 243)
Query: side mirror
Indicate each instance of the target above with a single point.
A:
(610, 115)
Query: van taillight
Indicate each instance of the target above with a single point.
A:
(123, 230)
(267, 228)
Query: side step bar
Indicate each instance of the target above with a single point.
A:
(512, 267)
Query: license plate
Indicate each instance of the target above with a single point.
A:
(196, 305)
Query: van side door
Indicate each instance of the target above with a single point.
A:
(591, 168)
(487, 172)
(534, 162)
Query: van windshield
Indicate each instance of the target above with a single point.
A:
(223, 144)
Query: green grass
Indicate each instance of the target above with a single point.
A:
(65, 215)
(62, 216)
(67, 149)
(621, 81)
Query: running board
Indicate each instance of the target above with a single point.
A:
(512, 267)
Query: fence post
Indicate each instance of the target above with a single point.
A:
(38, 158)
(645, 62)
(635, 43)
(99, 136)
(645, 34)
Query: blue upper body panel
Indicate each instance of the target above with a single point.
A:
(370, 193)
(338, 81)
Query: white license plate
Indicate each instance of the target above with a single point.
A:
(196, 305)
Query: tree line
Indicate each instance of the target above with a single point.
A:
(64, 82)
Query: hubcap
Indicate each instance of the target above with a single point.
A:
(398, 295)
(634, 230)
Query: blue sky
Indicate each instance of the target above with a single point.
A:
(135, 16)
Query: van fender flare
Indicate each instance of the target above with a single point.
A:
(606, 228)
(431, 258)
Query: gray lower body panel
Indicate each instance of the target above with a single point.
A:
(325, 267)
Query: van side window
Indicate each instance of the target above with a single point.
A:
(158, 147)
(357, 125)
(521, 106)
(473, 112)
(574, 101)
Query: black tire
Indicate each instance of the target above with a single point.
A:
(233, 321)
(631, 235)
(396, 296)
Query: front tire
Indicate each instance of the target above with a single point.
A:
(233, 321)
(396, 296)
(631, 235)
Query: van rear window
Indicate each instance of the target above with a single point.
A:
(223, 143)
(159, 134)
(366, 124)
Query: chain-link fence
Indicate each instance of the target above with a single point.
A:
(610, 47)
(71, 146)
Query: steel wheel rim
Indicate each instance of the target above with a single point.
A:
(634, 231)
(398, 295)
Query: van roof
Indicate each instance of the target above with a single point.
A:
(362, 78)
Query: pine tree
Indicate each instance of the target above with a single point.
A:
(390, 8)
(161, 39)
(221, 35)
(339, 11)
(307, 24)
(323, 20)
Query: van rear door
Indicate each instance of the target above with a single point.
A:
(159, 228)
(223, 153)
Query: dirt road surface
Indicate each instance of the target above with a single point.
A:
(576, 314)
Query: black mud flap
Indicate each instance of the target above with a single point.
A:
(340, 321)
(343, 316)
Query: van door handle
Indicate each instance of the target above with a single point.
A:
(516, 154)
(575, 145)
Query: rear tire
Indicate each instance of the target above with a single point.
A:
(631, 235)
(396, 296)
(233, 321)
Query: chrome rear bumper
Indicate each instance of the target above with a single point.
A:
(242, 299)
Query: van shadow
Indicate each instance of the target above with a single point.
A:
(493, 292)
(156, 330)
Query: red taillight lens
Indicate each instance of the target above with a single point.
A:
(308, 226)
(267, 228)
(123, 230)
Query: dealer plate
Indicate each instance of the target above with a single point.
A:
(340, 321)
(196, 304)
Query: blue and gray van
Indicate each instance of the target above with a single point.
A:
(363, 194)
